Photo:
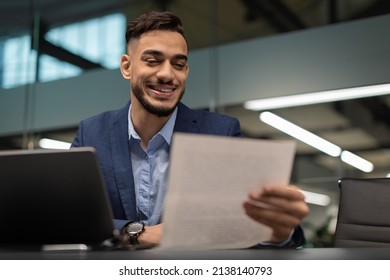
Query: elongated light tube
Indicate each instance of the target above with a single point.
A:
(46, 143)
(317, 97)
(316, 141)
(316, 198)
(356, 161)
(301, 134)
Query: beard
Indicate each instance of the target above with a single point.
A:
(159, 111)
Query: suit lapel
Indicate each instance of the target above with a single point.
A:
(187, 120)
(119, 141)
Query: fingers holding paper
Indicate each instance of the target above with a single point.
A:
(281, 207)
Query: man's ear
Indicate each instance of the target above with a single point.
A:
(125, 66)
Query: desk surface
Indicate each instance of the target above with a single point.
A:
(254, 254)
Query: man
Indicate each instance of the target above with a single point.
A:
(133, 143)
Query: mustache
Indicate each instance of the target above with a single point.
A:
(165, 83)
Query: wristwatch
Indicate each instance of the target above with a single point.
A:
(133, 230)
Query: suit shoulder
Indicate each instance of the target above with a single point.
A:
(217, 116)
(204, 114)
(214, 117)
(207, 122)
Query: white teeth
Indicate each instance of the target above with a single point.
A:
(163, 89)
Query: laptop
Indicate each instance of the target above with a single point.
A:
(53, 197)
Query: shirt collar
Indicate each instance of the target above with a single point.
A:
(166, 131)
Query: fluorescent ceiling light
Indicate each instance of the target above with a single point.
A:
(316, 141)
(301, 134)
(356, 161)
(46, 143)
(316, 198)
(317, 97)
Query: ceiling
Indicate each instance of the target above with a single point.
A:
(361, 126)
(206, 21)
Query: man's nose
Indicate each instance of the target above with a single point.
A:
(165, 72)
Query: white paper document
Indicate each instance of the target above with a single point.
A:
(209, 179)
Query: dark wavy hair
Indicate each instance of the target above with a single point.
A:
(153, 21)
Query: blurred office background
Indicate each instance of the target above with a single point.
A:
(59, 64)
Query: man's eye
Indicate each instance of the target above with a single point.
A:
(179, 65)
(151, 61)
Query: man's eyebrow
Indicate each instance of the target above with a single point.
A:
(153, 52)
(161, 54)
(181, 56)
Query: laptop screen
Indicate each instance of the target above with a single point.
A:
(53, 197)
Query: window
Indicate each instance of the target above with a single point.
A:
(18, 62)
(100, 40)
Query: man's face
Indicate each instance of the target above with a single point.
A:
(157, 70)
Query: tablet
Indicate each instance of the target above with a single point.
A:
(53, 197)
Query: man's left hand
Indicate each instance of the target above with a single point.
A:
(281, 207)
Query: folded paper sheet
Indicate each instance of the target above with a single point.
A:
(209, 179)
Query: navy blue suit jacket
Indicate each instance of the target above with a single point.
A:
(108, 134)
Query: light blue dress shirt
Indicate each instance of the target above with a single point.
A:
(150, 170)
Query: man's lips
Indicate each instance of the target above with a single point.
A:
(162, 90)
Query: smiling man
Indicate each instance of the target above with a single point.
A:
(133, 143)
(156, 65)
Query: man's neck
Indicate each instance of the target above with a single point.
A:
(146, 124)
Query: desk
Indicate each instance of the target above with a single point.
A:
(254, 254)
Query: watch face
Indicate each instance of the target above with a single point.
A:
(135, 228)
